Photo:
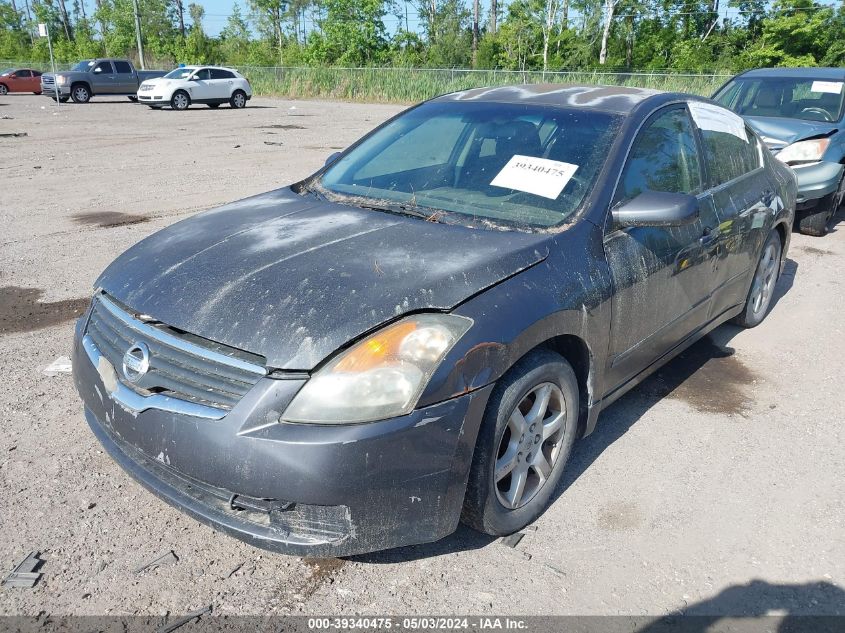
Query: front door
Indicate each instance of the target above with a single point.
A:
(662, 276)
(200, 87)
(103, 79)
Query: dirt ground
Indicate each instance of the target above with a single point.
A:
(716, 487)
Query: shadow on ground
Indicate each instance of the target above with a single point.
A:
(815, 607)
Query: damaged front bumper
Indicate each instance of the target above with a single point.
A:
(817, 180)
(308, 490)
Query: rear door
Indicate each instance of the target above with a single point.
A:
(743, 196)
(103, 78)
(127, 81)
(662, 276)
(222, 82)
(35, 82)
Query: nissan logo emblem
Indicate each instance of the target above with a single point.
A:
(136, 362)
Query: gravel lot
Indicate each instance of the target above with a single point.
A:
(716, 487)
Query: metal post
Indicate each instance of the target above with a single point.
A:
(138, 33)
(52, 61)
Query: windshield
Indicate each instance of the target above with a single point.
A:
(6, 71)
(505, 163)
(179, 73)
(84, 65)
(793, 98)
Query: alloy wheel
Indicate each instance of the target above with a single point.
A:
(765, 278)
(180, 101)
(530, 445)
(239, 100)
(80, 94)
(3, 89)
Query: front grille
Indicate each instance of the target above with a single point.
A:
(46, 80)
(181, 366)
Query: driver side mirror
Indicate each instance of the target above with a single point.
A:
(332, 158)
(657, 208)
(13, 76)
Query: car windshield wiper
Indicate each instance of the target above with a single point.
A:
(426, 213)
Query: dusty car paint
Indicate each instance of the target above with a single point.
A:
(291, 278)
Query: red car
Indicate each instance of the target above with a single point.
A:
(20, 80)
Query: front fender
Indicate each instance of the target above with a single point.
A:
(568, 294)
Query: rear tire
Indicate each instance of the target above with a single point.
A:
(37, 93)
(180, 100)
(524, 442)
(80, 93)
(759, 298)
(238, 99)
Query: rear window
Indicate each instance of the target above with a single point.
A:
(786, 97)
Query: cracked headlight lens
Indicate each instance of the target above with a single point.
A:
(381, 376)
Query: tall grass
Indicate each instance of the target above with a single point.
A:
(409, 85)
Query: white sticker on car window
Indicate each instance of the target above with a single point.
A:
(831, 87)
(540, 176)
(716, 119)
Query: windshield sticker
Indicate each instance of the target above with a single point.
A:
(540, 176)
(715, 119)
(830, 87)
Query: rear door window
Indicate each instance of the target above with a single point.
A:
(664, 158)
(216, 73)
(123, 68)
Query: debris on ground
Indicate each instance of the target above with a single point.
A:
(12, 134)
(61, 365)
(235, 570)
(166, 559)
(273, 143)
(512, 540)
(193, 615)
(24, 575)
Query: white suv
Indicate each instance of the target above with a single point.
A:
(211, 85)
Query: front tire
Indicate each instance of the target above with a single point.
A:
(814, 221)
(524, 443)
(180, 100)
(763, 284)
(133, 98)
(3, 90)
(80, 93)
(238, 99)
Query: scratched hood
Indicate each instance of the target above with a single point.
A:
(293, 278)
(777, 133)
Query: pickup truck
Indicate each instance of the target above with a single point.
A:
(96, 77)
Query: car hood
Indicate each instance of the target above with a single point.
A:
(293, 278)
(778, 132)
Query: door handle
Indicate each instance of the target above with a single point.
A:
(768, 197)
(708, 237)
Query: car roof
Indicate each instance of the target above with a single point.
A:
(802, 73)
(616, 99)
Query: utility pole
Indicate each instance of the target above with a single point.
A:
(138, 33)
(494, 13)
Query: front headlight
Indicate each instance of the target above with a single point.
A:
(380, 377)
(804, 151)
(61, 80)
